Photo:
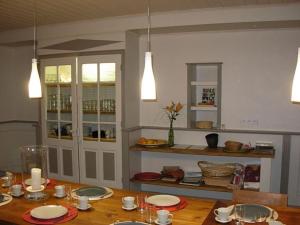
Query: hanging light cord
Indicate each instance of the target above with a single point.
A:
(34, 31)
(149, 25)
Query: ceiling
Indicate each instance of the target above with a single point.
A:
(15, 14)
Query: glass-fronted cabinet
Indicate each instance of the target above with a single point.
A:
(81, 115)
(59, 120)
(100, 119)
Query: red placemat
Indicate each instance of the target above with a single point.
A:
(181, 205)
(147, 176)
(72, 213)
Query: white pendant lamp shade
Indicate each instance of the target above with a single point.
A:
(296, 82)
(148, 89)
(34, 86)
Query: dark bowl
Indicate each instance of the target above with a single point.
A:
(212, 140)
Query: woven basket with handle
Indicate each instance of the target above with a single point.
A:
(210, 169)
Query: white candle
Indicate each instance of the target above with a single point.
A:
(36, 178)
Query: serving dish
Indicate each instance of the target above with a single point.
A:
(151, 142)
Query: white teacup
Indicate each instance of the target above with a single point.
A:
(16, 190)
(83, 202)
(164, 216)
(223, 213)
(60, 190)
(128, 202)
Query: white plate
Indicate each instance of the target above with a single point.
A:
(88, 207)
(223, 221)
(48, 212)
(29, 189)
(28, 181)
(163, 200)
(158, 223)
(129, 209)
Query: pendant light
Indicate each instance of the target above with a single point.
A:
(296, 82)
(148, 89)
(34, 85)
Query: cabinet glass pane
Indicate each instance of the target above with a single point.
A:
(90, 132)
(108, 132)
(89, 73)
(89, 103)
(107, 72)
(107, 104)
(65, 75)
(52, 103)
(66, 103)
(52, 129)
(51, 74)
(66, 130)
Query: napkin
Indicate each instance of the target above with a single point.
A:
(72, 213)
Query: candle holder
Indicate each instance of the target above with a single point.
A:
(34, 171)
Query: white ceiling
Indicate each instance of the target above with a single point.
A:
(16, 14)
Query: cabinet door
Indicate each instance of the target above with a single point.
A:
(59, 116)
(99, 107)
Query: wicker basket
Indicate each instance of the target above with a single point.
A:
(233, 146)
(216, 169)
(204, 124)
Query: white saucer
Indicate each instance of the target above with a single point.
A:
(29, 189)
(16, 196)
(59, 196)
(223, 221)
(129, 209)
(83, 209)
(157, 222)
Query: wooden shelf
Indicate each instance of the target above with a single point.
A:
(60, 84)
(95, 112)
(101, 139)
(203, 83)
(95, 84)
(202, 150)
(61, 111)
(170, 184)
(204, 108)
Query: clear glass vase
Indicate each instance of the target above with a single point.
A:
(34, 171)
(171, 137)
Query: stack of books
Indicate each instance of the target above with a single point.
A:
(192, 178)
(252, 177)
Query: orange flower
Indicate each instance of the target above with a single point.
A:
(179, 106)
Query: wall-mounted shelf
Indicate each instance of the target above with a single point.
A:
(203, 83)
(169, 184)
(202, 150)
(204, 108)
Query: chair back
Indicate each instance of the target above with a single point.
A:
(264, 198)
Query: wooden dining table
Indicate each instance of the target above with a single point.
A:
(107, 211)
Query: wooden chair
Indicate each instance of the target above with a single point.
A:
(264, 198)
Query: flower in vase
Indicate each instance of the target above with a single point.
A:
(172, 112)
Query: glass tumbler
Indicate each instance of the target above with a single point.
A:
(141, 202)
